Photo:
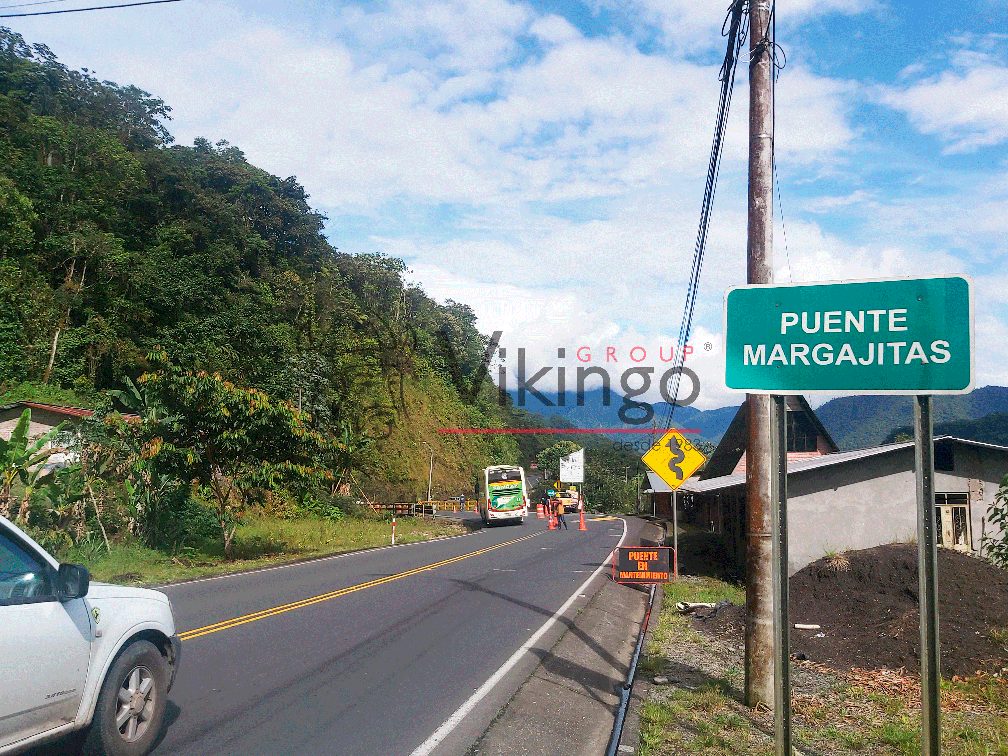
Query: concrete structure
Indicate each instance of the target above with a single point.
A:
(865, 498)
(841, 501)
(45, 417)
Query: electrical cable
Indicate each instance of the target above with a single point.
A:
(37, 2)
(91, 8)
(773, 143)
(735, 28)
(780, 208)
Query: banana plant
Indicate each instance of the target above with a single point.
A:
(32, 478)
(21, 457)
(144, 402)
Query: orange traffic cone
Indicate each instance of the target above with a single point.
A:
(582, 525)
(552, 522)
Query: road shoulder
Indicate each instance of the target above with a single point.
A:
(568, 704)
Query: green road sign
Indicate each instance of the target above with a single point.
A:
(900, 336)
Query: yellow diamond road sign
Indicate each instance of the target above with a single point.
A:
(674, 458)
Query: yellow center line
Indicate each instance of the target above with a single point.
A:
(283, 608)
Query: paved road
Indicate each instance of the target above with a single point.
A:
(371, 653)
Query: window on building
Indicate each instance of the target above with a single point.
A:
(944, 457)
(801, 433)
(952, 521)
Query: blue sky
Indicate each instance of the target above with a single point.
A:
(544, 162)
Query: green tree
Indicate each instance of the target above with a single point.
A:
(114, 241)
(995, 547)
(230, 439)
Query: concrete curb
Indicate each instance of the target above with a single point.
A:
(631, 725)
(569, 703)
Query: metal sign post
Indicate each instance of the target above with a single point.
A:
(927, 565)
(675, 534)
(781, 623)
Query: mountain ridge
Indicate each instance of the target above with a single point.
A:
(853, 421)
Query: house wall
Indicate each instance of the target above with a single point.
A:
(873, 501)
(42, 421)
(978, 471)
(660, 504)
(858, 505)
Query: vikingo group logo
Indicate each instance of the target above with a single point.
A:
(618, 376)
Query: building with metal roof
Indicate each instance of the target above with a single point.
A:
(847, 500)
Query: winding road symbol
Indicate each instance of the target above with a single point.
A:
(678, 455)
(673, 458)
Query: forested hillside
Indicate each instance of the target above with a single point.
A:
(859, 421)
(115, 242)
(992, 428)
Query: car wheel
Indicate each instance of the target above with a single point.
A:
(131, 703)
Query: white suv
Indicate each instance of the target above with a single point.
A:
(76, 655)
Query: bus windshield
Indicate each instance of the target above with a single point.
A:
(510, 475)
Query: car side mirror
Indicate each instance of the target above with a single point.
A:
(74, 580)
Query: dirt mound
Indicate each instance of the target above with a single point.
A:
(867, 610)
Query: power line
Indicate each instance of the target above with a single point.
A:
(735, 28)
(777, 66)
(37, 2)
(81, 10)
(780, 208)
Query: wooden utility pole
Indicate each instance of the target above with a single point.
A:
(759, 679)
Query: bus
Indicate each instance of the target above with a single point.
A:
(502, 494)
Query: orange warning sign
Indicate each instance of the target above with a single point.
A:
(641, 564)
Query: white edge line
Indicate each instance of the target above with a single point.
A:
(303, 562)
(428, 746)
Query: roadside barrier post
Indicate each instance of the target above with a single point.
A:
(582, 526)
(393, 530)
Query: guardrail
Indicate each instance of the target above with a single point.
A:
(398, 509)
(424, 508)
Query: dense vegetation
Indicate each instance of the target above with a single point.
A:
(197, 291)
(992, 428)
(856, 422)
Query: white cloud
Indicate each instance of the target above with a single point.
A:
(696, 25)
(430, 102)
(572, 166)
(966, 106)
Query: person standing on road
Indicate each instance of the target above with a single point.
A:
(560, 514)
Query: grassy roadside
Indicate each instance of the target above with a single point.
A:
(860, 712)
(258, 543)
